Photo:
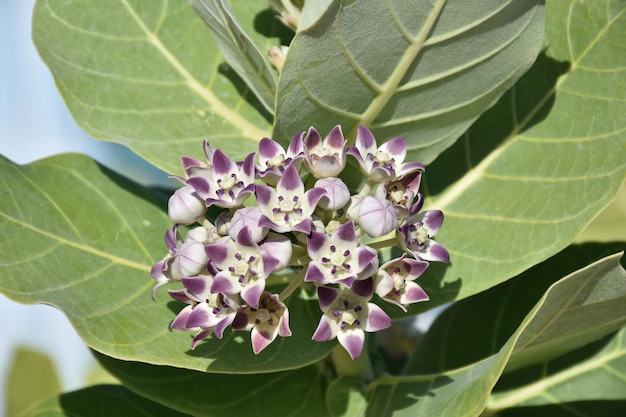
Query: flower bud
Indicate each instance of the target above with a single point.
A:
(247, 217)
(185, 206)
(337, 193)
(377, 217)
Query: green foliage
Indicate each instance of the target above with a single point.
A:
(518, 109)
(31, 379)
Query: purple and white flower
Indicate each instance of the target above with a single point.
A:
(394, 281)
(348, 315)
(381, 163)
(287, 207)
(415, 235)
(207, 313)
(243, 266)
(184, 258)
(402, 194)
(338, 258)
(376, 216)
(325, 158)
(229, 183)
(185, 206)
(269, 320)
(337, 193)
(273, 159)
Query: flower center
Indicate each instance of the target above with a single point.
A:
(383, 158)
(228, 182)
(347, 315)
(276, 161)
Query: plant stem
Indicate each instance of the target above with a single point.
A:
(293, 285)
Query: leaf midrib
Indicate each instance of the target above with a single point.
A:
(247, 129)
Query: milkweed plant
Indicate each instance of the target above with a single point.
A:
(314, 149)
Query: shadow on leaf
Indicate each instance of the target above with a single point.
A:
(527, 103)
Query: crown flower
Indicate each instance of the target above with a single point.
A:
(305, 228)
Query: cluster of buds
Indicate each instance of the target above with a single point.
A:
(325, 236)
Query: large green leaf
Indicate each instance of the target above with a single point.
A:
(239, 50)
(465, 391)
(83, 239)
(537, 168)
(596, 372)
(424, 70)
(291, 393)
(147, 74)
(31, 379)
(488, 319)
(101, 401)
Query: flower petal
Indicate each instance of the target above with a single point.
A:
(352, 340)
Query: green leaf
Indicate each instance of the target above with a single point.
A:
(537, 168)
(290, 393)
(423, 70)
(101, 401)
(146, 74)
(465, 391)
(599, 375)
(239, 50)
(489, 318)
(31, 379)
(83, 239)
(345, 397)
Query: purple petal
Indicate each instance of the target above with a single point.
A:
(252, 292)
(304, 226)
(315, 241)
(296, 146)
(260, 341)
(290, 181)
(312, 138)
(180, 322)
(180, 295)
(363, 288)
(284, 329)
(346, 232)
(195, 285)
(365, 141)
(223, 284)
(315, 274)
(413, 293)
(247, 168)
(269, 149)
(335, 138)
(327, 296)
(314, 195)
(352, 340)
(217, 252)
(434, 252)
(222, 164)
(396, 148)
(201, 335)
(201, 185)
(324, 331)
(367, 255)
(263, 194)
(279, 247)
(199, 316)
(409, 168)
(432, 219)
(377, 319)
(244, 238)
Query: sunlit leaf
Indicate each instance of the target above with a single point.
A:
(290, 394)
(488, 319)
(540, 165)
(101, 401)
(239, 50)
(596, 372)
(465, 391)
(424, 70)
(146, 74)
(83, 239)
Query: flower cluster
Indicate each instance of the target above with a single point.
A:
(315, 229)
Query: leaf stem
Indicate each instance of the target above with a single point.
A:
(293, 285)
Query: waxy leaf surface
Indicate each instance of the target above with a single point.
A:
(83, 239)
(465, 391)
(424, 70)
(147, 74)
(539, 166)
